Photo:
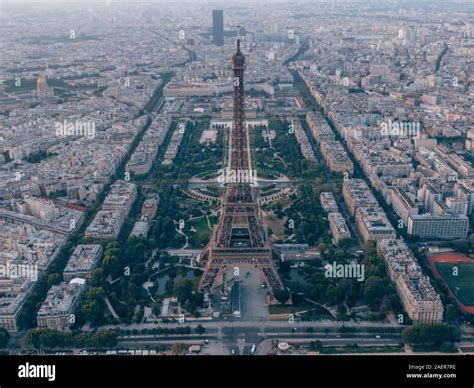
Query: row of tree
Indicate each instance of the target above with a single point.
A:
(41, 338)
(437, 335)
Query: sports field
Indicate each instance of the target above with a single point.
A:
(460, 286)
(463, 282)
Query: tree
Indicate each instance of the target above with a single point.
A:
(48, 338)
(297, 298)
(169, 285)
(386, 305)
(4, 338)
(156, 309)
(54, 279)
(198, 299)
(433, 334)
(341, 310)
(178, 348)
(373, 290)
(92, 310)
(282, 295)
(105, 338)
(346, 243)
(183, 290)
(316, 345)
(93, 304)
(98, 277)
(112, 265)
(200, 329)
(448, 347)
(285, 266)
(450, 313)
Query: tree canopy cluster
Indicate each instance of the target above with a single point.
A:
(47, 338)
(434, 334)
(376, 290)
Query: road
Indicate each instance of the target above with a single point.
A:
(236, 323)
(239, 336)
(240, 340)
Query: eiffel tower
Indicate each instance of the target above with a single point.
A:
(239, 239)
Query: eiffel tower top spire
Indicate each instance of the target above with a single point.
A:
(238, 59)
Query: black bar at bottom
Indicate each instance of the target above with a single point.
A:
(318, 371)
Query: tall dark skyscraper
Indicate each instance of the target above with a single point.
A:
(218, 27)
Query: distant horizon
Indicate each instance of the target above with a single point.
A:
(224, 2)
(225, 5)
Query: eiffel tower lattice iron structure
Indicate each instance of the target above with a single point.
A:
(239, 238)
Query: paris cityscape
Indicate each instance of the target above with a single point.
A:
(255, 178)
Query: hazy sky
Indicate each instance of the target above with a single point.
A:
(143, 1)
(225, 3)
(229, 3)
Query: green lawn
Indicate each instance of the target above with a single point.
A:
(201, 226)
(464, 280)
(289, 309)
(276, 225)
(313, 312)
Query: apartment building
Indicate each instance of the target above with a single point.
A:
(303, 141)
(356, 194)
(336, 157)
(443, 226)
(418, 297)
(462, 167)
(319, 127)
(403, 204)
(82, 261)
(372, 224)
(57, 311)
(14, 294)
(106, 224)
(338, 227)
(121, 197)
(328, 202)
